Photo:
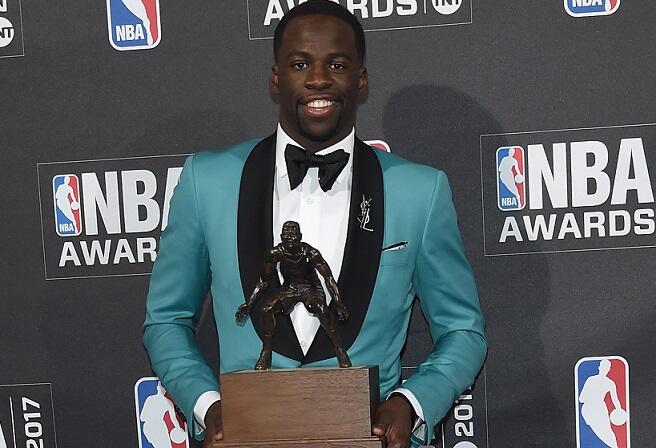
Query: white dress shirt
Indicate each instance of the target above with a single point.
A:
(323, 219)
(322, 215)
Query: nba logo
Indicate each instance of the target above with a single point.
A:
(159, 425)
(133, 24)
(588, 8)
(602, 402)
(66, 191)
(511, 191)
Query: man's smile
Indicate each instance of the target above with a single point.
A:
(318, 107)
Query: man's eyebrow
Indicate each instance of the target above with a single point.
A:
(340, 55)
(297, 53)
(306, 55)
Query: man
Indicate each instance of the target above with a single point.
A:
(386, 227)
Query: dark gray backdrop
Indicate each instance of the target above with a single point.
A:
(434, 91)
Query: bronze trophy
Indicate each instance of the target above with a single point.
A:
(305, 407)
(299, 263)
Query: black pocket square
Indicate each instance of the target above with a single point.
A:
(396, 246)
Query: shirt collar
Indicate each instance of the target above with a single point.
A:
(283, 139)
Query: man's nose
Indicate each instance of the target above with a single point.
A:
(318, 77)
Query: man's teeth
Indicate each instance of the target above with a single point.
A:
(319, 104)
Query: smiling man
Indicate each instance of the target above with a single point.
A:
(386, 227)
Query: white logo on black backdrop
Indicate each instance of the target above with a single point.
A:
(11, 29)
(583, 189)
(27, 416)
(104, 217)
(375, 15)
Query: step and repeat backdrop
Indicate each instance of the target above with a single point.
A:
(541, 113)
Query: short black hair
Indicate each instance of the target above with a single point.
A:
(321, 7)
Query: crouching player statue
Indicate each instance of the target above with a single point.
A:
(298, 261)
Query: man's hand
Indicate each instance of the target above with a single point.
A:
(394, 422)
(242, 313)
(213, 425)
(342, 312)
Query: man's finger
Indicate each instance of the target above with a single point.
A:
(211, 441)
(382, 422)
(381, 425)
(378, 429)
(393, 441)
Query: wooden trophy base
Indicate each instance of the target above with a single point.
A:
(299, 408)
(369, 442)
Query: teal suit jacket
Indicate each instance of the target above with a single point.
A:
(219, 229)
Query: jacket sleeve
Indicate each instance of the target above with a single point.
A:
(178, 286)
(444, 282)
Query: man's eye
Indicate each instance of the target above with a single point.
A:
(300, 65)
(337, 66)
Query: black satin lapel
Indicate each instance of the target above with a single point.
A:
(255, 238)
(361, 254)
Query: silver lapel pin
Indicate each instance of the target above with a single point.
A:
(363, 219)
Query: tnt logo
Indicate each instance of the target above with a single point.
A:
(7, 32)
(511, 190)
(159, 425)
(133, 24)
(446, 7)
(66, 191)
(602, 402)
(587, 8)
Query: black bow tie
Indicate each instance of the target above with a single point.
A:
(299, 161)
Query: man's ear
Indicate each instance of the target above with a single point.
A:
(363, 82)
(273, 80)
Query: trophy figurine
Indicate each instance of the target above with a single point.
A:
(299, 263)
